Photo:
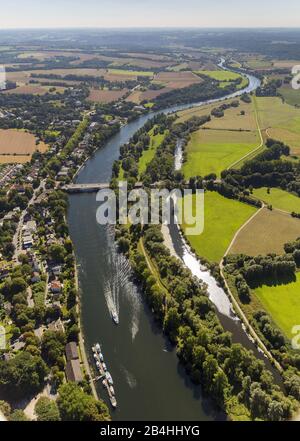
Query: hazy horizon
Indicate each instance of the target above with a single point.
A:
(129, 14)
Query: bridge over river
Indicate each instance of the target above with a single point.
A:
(90, 188)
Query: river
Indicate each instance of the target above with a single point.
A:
(150, 383)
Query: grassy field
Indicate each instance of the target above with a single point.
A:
(212, 151)
(267, 233)
(283, 304)
(220, 75)
(149, 154)
(16, 142)
(278, 199)
(259, 63)
(234, 120)
(222, 218)
(290, 95)
(281, 120)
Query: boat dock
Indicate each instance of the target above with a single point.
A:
(104, 375)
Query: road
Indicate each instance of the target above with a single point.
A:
(256, 148)
(17, 239)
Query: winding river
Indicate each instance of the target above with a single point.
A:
(150, 383)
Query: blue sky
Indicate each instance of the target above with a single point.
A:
(150, 13)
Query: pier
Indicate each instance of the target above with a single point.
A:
(104, 376)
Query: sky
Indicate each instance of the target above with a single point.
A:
(149, 13)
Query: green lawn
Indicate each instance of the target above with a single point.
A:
(278, 199)
(222, 218)
(283, 304)
(212, 151)
(149, 154)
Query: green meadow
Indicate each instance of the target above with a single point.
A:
(283, 304)
(278, 199)
(222, 218)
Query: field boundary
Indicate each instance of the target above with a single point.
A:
(260, 135)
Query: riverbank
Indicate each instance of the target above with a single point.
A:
(81, 335)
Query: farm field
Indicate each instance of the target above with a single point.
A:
(108, 74)
(278, 199)
(222, 218)
(16, 142)
(33, 90)
(135, 97)
(149, 154)
(281, 121)
(266, 233)
(212, 151)
(220, 75)
(177, 80)
(106, 96)
(234, 120)
(259, 63)
(283, 304)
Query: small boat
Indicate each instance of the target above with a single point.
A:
(115, 317)
(104, 367)
(98, 348)
(112, 390)
(113, 402)
(93, 349)
(95, 357)
(98, 364)
(101, 357)
(104, 383)
(109, 378)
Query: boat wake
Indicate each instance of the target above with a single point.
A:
(131, 381)
(120, 286)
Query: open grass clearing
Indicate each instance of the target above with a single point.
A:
(278, 199)
(212, 151)
(281, 121)
(282, 302)
(222, 219)
(290, 95)
(266, 233)
(220, 75)
(148, 155)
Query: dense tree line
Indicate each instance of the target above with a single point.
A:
(206, 90)
(267, 169)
